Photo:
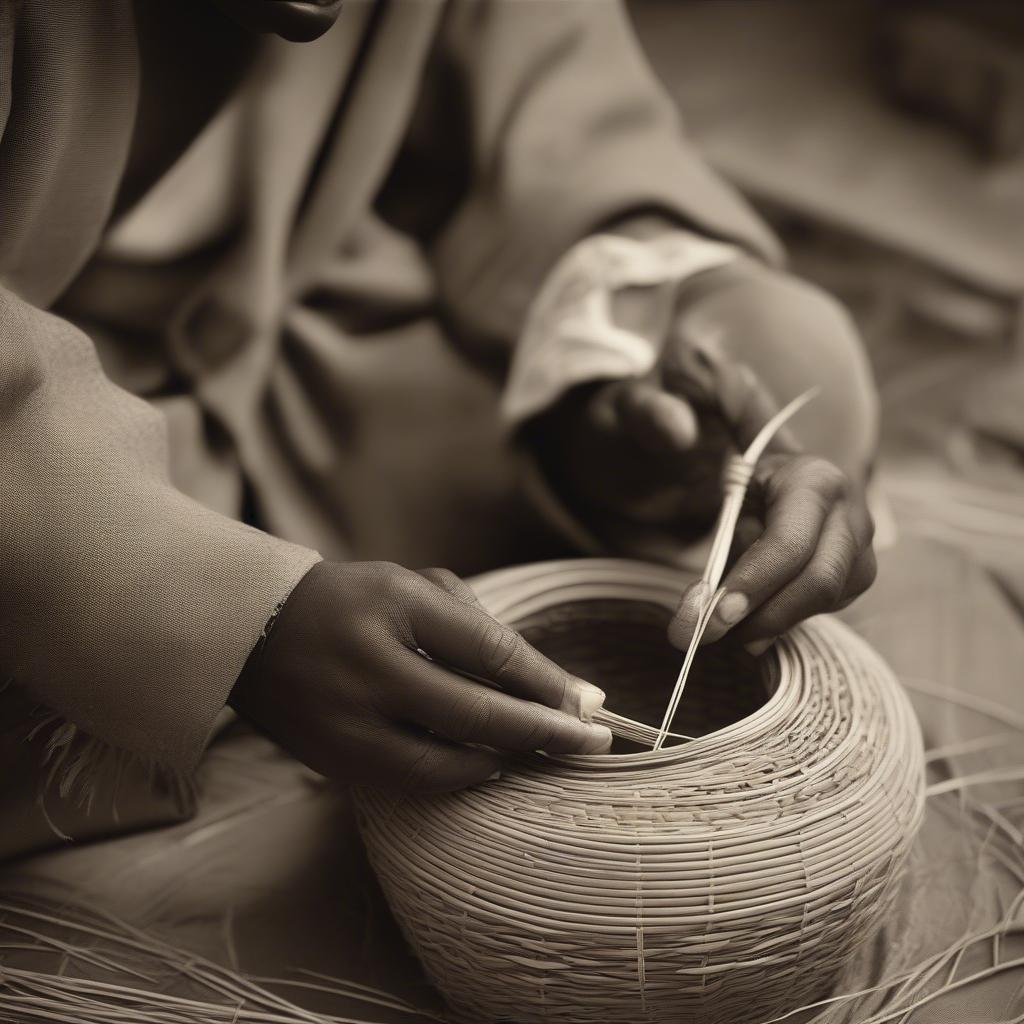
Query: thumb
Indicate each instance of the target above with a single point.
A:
(657, 420)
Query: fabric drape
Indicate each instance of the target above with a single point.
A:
(409, 177)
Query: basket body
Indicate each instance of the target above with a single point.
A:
(726, 879)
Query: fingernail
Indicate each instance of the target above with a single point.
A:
(727, 613)
(680, 629)
(732, 607)
(591, 699)
(494, 777)
(599, 740)
(758, 647)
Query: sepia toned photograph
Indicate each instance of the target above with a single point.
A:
(511, 512)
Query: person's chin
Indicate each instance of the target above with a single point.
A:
(297, 20)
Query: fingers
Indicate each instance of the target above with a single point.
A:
(839, 571)
(684, 621)
(414, 761)
(793, 524)
(660, 422)
(467, 639)
(800, 499)
(464, 711)
(813, 556)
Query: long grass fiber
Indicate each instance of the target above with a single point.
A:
(65, 961)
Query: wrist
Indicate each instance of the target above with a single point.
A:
(251, 680)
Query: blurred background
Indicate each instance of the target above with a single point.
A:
(885, 143)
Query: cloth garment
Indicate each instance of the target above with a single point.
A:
(606, 312)
(422, 162)
(571, 336)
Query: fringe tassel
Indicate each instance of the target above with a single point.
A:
(83, 769)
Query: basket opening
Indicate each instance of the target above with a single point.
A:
(622, 647)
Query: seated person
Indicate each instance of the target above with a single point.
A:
(219, 252)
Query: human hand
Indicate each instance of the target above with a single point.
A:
(640, 461)
(802, 548)
(340, 682)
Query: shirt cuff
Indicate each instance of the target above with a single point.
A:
(570, 336)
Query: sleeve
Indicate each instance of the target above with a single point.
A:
(574, 332)
(569, 130)
(127, 608)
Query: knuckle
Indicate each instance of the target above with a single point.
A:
(542, 732)
(399, 585)
(419, 775)
(498, 647)
(771, 620)
(394, 600)
(786, 470)
(384, 570)
(791, 550)
(826, 582)
(444, 578)
(469, 719)
(834, 483)
(783, 551)
(381, 573)
(821, 476)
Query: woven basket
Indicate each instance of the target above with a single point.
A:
(724, 879)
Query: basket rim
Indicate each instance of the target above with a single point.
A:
(663, 586)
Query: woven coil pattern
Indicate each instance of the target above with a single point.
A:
(724, 879)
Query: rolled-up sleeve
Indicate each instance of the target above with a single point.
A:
(571, 335)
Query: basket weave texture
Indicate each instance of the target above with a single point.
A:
(721, 880)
